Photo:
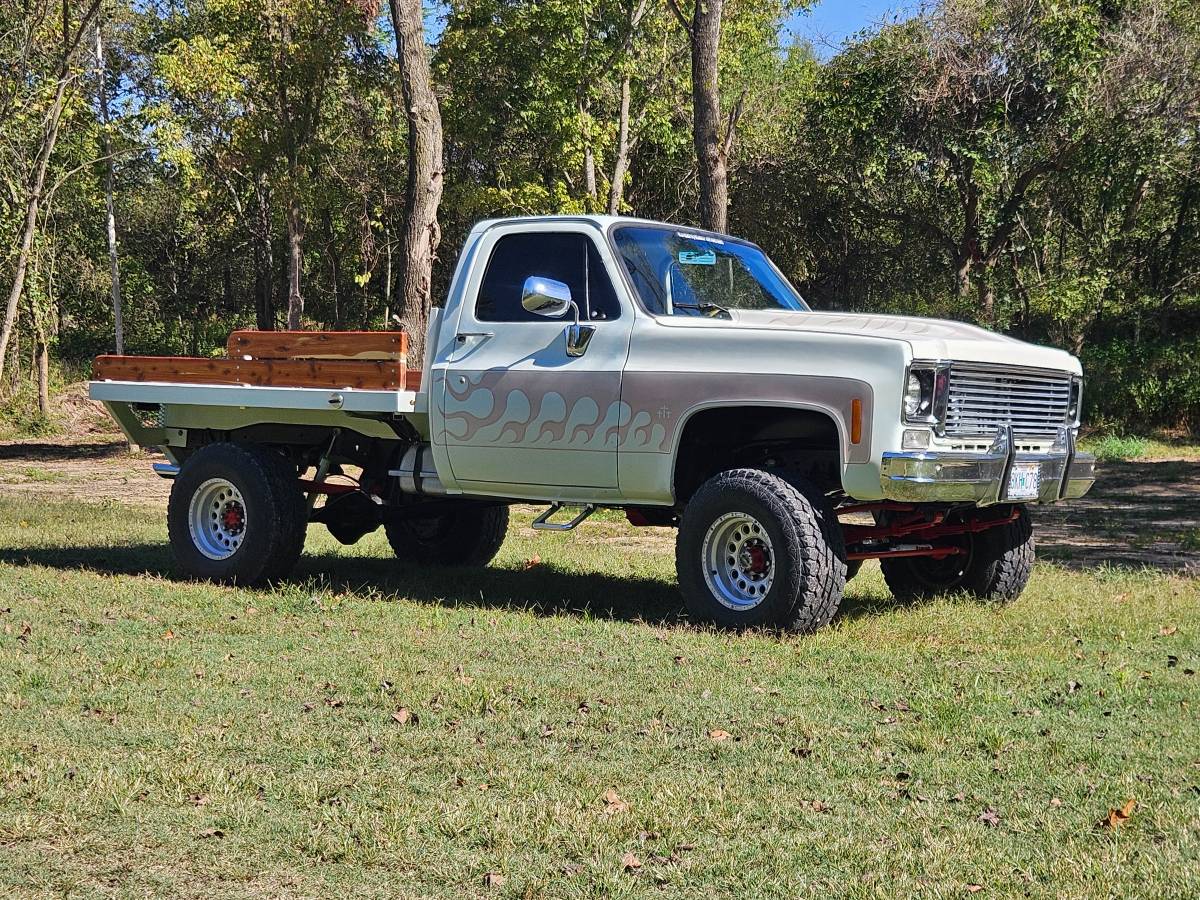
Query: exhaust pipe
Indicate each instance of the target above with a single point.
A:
(416, 473)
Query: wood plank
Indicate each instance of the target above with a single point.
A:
(384, 345)
(188, 369)
(343, 373)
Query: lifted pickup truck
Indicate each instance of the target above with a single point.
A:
(591, 361)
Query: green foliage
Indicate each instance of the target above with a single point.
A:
(1116, 448)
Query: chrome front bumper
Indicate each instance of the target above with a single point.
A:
(982, 478)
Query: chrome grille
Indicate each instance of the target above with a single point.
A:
(982, 398)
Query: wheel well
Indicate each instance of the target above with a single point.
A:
(800, 440)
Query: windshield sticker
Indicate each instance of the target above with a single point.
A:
(703, 238)
(697, 258)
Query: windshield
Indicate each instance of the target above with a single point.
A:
(684, 273)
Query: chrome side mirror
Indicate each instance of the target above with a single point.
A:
(552, 299)
(546, 297)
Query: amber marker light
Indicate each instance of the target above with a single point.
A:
(855, 420)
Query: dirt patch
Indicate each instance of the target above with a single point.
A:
(96, 467)
(1138, 514)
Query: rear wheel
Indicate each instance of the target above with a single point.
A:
(994, 565)
(470, 536)
(236, 515)
(755, 549)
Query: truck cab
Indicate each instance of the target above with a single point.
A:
(587, 361)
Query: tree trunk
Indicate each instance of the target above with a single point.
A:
(387, 279)
(42, 358)
(264, 261)
(420, 236)
(295, 238)
(589, 156)
(616, 188)
(111, 219)
(711, 153)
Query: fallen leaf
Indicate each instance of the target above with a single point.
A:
(309, 707)
(718, 734)
(630, 862)
(990, 817)
(212, 833)
(26, 630)
(613, 803)
(168, 635)
(493, 879)
(198, 799)
(1055, 802)
(974, 888)
(1167, 630)
(1118, 817)
(405, 716)
(534, 560)
(818, 806)
(334, 702)
(572, 868)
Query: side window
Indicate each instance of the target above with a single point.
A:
(563, 256)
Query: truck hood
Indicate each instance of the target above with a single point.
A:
(928, 338)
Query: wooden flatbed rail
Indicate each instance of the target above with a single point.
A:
(367, 360)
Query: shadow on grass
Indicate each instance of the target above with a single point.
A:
(31, 451)
(545, 590)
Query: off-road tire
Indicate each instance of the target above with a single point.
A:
(470, 536)
(997, 566)
(275, 514)
(809, 554)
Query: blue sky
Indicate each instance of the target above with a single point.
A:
(827, 23)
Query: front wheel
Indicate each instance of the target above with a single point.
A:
(755, 549)
(994, 565)
(236, 515)
(469, 536)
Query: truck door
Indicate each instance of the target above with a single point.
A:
(523, 405)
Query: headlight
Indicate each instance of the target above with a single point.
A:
(1076, 396)
(916, 398)
(925, 389)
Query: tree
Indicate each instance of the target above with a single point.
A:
(63, 77)
(712, 146)
(420, 233)
(109, 164)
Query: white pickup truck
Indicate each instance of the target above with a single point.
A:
(589, 361)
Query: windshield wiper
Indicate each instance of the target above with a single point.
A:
(709, 309)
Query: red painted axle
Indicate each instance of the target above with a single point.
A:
(935, 552)
(327, 487)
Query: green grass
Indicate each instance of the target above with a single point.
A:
(161, 738)
(1115, 447)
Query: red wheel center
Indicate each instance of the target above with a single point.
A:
(232, 518)
(758, 560)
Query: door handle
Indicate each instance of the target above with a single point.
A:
(463, 335)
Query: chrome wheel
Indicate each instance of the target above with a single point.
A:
(739, 561)
(217, 518)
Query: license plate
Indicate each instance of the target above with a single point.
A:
(1023, 481)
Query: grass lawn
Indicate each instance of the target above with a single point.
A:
(551, 727)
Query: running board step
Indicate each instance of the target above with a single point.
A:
(543, 523)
